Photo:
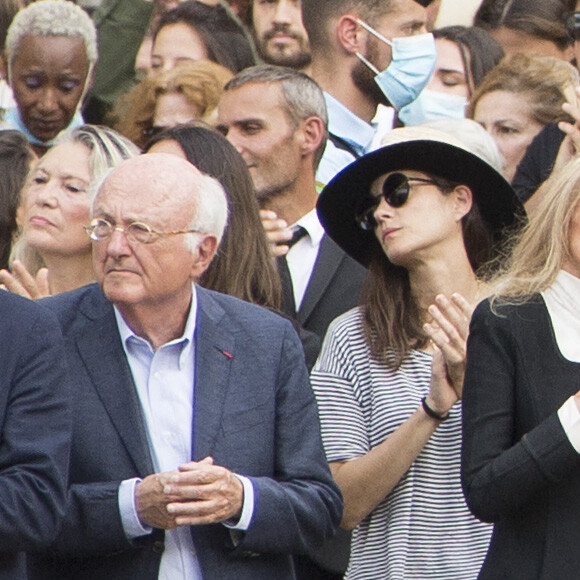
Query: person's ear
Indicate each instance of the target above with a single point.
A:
(203, 255)
(311, 134)
(462, 201)
(351, 35)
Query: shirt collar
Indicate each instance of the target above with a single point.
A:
(311, 224)
(343, 123)
(185, 339)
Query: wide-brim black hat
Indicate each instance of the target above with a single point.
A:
(447, 158)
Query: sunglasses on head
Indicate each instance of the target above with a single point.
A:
(395, 192)
(572, 21)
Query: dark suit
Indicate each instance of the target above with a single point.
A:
(254, 414)
(333, 288)
(35, 431)
(520, 470)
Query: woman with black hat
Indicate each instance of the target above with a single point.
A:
(424, 215)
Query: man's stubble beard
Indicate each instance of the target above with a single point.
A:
(364, 78)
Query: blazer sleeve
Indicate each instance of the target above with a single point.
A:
(300, 506)
(502, 472)
(35, 426)
(92, 524)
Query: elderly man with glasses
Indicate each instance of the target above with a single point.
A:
(196, 449)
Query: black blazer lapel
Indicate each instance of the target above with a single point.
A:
(325, 266)
(215, 353)
(101, 350)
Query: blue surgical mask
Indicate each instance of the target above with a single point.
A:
(411, 67)
(432, 106)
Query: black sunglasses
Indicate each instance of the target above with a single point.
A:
(572, 21)
(395, 192)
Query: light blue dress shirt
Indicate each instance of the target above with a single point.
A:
(164, 379)
(344, 124)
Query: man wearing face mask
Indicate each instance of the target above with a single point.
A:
(365, 54)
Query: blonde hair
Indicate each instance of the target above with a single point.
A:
(543, 246)
(107, 149)
(542, 80)
(201, 82)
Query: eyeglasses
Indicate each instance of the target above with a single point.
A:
(100, 229)
(572, 21)
(395, 192)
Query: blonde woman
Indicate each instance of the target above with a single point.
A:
(521, 398)
(53, 251)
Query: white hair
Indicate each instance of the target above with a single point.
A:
(52, 18)
(212, 208)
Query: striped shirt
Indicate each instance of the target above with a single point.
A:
(422, 529)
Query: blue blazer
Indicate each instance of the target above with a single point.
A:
(254, 414)
(35, 431)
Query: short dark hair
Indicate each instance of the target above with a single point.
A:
(316, 14)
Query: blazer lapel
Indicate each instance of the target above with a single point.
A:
(325, 266)
(101, 349)
(214, 356)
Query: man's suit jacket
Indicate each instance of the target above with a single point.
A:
(254, 414)
(334, 287)
(35, 431)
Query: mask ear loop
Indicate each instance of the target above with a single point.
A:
(373, 31)
(364, 60)
(376, 34)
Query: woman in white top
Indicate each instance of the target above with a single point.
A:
(521, 457)
(423, 215)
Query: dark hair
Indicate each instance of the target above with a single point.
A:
(392, 319)
(316, 14)
(243, 266)
(480, 52)
(225, 39)
(15, 159)
(540, 18)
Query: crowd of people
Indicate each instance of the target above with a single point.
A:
(289, 289)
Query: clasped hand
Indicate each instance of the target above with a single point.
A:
(448, 330)
(197, 493)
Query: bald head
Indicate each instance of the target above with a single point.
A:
(160, 184)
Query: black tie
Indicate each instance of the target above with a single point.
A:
(288, 304)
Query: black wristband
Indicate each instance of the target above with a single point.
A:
(433, 414)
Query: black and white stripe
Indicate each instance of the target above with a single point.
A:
(423, 529)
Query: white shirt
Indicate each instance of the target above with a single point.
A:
(563, 303)
(303, 254)
(164, 379)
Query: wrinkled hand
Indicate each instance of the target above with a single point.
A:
(21, 281)
(151, 501)
(203, 493)
(448, 331)
(277, 231)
